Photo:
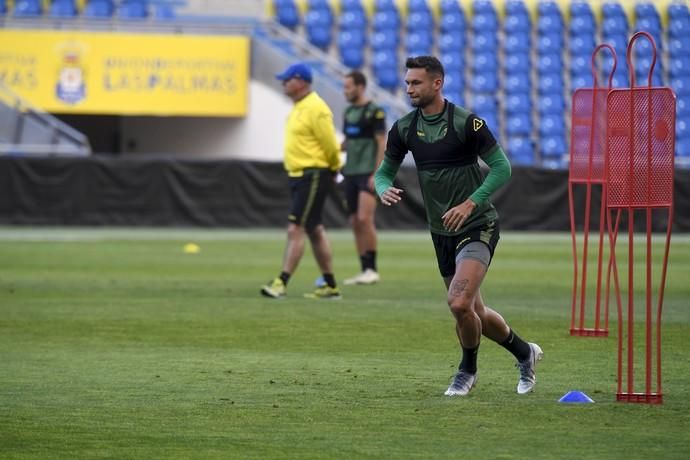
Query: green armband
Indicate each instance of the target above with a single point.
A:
(499, 173)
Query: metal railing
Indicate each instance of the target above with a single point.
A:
(26, 130)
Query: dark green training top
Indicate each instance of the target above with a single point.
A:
(446, 157)
(361, 124)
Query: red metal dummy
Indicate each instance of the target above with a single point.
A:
(587, 167)
(639, 164)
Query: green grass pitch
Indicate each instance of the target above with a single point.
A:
(117, 344)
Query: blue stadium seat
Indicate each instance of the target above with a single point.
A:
(450, 6)
(678, 10)
(318, 25)
(619, 41)
(615, 25)
(553, 146)
(518, 124)
(385, 20)
(351, 5)
(515, 63)
(550, 24)
(3, 7)
(612, 9)
(620, 80)
(581, 8)
(516, 23)
(516, 43)
(679, 26)
(484, 83)
(163, 12)
(351, 38)
(417, 6)
(651, 25)
(516, 83)
(678, 47)
(484, 62)
(318, 18)
(386, 5)
(449, 42)
(582, 44)
(517, 103)
(387, 78)
(286, 13)
(456, 97)
(551, 124)
(453, 61)
(355, 19)
(683, 147)
(549, 43)
(133, 10)
(483, 7)
(484, 42)
(516, 8)
(452, 22)
(679, 66)
(683, 107)
(319, 36)
(453, 82)
(549, 63)
(419, 43)
(551, 82)
(548, 8)
(521, 151)
(683, 127)
(319, 5)
(580, 64)
(550, 103)
(584, 80)
(27, 8)
(647, 10)
(385, 39)
(385, 59)
(63, 9)
(98, 9)
(582, 25)
(419, 20)
(484, 103)
(484, 23)
(352, 56)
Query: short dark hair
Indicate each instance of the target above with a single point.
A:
(428, 63)
(357, 77)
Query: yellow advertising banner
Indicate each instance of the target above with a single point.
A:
(129, 74)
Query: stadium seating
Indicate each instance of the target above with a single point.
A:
(27, 8)
(287, 13)
(133, 10)
(63, 9)
(513, 66)
(96, 9)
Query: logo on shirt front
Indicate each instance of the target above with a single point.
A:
(477, 123)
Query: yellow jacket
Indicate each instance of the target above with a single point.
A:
(310, 140)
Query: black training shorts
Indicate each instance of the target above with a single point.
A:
(448, 247)
(353, 186)
(309, 193)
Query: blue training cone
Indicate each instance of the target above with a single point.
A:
(575, 397)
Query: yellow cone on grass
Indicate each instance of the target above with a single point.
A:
(191, 248)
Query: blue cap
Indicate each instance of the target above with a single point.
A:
(299, 70)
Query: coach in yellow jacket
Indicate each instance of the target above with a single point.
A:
(312, 158)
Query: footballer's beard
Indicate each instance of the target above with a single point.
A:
(421, 101)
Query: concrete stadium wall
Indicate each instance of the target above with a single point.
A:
(258, 136)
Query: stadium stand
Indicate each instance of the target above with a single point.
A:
(527, 57)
